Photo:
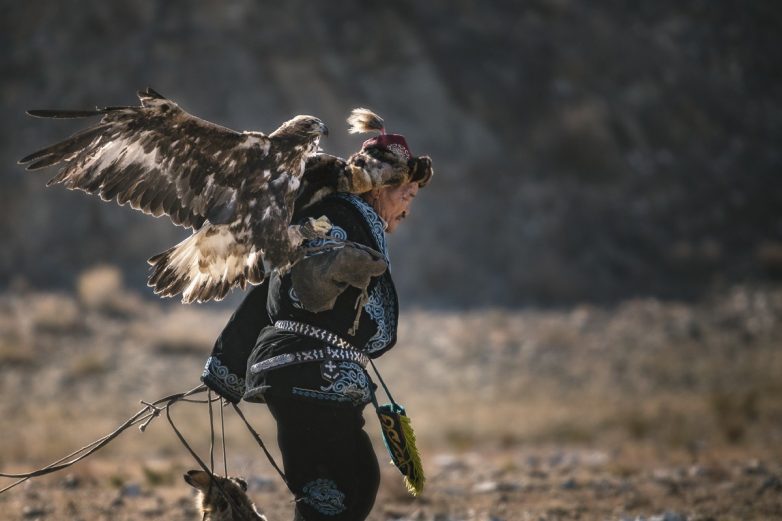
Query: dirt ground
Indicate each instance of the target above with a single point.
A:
(584, 483)
(530, 483)
(649, 410)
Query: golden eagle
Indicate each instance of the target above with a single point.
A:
(236, 190)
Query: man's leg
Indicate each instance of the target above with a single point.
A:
(329, 460)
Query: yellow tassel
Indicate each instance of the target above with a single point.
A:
(416, 485)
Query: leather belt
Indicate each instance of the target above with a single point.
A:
(339, 349)
(313, 332)
(313, 355)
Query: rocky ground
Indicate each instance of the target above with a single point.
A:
(523, 484)
(646, 410)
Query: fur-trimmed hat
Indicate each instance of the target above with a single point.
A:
(389, 148)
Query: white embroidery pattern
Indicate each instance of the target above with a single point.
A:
(350, 381)
(399, 150)
(314, 332)
(295, 301)
(221, 376)
(380, 308)
(324, 496)
(376, 224)
(338, 234)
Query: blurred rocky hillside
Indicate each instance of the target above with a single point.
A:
(583, 151)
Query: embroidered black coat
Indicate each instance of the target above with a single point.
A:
(250, 333)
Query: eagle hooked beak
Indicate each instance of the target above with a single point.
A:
(324, 129)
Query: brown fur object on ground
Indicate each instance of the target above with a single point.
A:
(212, 502)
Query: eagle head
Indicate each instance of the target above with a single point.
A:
(303, 127)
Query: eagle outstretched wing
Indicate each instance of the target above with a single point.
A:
(156, 157)
(236, 190)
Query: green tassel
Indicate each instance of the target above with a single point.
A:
(399, 438)
(415, 485)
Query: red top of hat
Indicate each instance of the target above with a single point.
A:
(393, 142)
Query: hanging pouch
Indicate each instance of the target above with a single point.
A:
(399, 439)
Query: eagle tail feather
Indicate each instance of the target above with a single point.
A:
(205, 266)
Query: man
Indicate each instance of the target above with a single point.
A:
(306, 336)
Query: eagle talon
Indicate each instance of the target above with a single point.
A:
(321, 225)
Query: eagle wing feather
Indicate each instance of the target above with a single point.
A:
(235, 190)
(155, 157)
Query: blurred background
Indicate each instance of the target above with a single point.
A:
(582, 152)
(590, 285)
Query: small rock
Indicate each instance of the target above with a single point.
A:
(508, 486)
(486, 487)
(668, 475)
(394, 513)
(556, 459)
(151, 507)
(30, 511)
(131, 490)
(418, 515)
(71, 482)
(72, 509)
(697, 471)
(454, 490)
(754, 467)
(449, 462)
(261, 483)
(569, 484)
(635, 501)
(669, 516)
(31, 490)
(771, 483)
(534, 461)
(595, 458)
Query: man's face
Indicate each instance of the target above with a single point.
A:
(393, 203)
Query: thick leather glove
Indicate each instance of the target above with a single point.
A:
(319, 279)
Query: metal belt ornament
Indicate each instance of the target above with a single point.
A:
(317, 333)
